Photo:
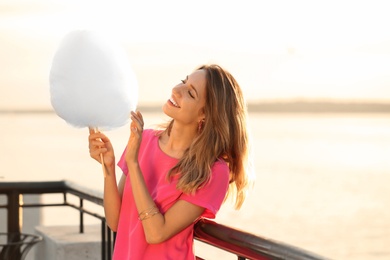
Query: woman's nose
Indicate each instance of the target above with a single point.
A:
(178, 89)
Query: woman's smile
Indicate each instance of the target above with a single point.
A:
(173, 102)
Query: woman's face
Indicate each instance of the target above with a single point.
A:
(186, 104)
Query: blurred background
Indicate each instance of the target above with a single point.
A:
(315, 75)
(333, 50)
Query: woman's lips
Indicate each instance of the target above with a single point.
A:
(173, 102)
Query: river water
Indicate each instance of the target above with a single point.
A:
(321, 179)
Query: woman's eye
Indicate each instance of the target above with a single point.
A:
(183, 81)
(189, 92)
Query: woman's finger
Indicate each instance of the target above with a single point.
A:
(96, 142)
(137, 118)
(96, 153)
(141, 118)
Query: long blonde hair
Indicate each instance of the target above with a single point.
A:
(223, 136)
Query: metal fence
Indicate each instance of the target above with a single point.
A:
(243, 244)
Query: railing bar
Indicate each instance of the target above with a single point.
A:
(66, 204)
(80, 208)
(43, 205)
(103, 228)
(81, 217)
(59, 205)
(86, 196)
(114, 235)
(86, 211)
(13, 216)
(109, 234)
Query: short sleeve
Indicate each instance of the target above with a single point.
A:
(212, 194)
(146, 138)
(122, 163)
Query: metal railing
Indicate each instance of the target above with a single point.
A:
(244, 245)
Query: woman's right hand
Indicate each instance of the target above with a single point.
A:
(101, 144)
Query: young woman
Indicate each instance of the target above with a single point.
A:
(174, 176)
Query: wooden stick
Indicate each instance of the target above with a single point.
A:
(101, 158)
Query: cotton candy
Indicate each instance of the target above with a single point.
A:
(91, 82)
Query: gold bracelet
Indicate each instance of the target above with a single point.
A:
(147, 210)
(148, 213)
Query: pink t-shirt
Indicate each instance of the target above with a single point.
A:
(155, 164)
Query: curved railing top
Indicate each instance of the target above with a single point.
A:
(241, 243)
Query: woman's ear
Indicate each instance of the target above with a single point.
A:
(201, 114)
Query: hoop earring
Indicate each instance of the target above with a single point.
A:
(200, 126)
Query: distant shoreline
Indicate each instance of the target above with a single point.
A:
(318, 107)
(264, 107)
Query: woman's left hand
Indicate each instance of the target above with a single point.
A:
(136, 129)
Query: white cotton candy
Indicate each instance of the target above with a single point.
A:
(91, 82)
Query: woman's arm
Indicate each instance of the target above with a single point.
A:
(112, 200)
(100, 144)
(158, 227)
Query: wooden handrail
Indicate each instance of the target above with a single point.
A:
(243, 244)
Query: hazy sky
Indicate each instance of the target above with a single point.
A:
(276, 49)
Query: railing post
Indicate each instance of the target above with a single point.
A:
(81, 217)
(103, 240)
(109, 245)
(14, 217)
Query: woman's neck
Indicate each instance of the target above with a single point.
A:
(178, 141)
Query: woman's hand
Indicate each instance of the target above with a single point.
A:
(100, 148)
(136, 129)
(100, 144)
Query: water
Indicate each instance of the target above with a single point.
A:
(321, 179)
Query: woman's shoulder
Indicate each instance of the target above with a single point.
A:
(221, 161)
(220, 165)
(150, 137)
(151, 133)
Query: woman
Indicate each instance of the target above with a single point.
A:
(174, 176)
